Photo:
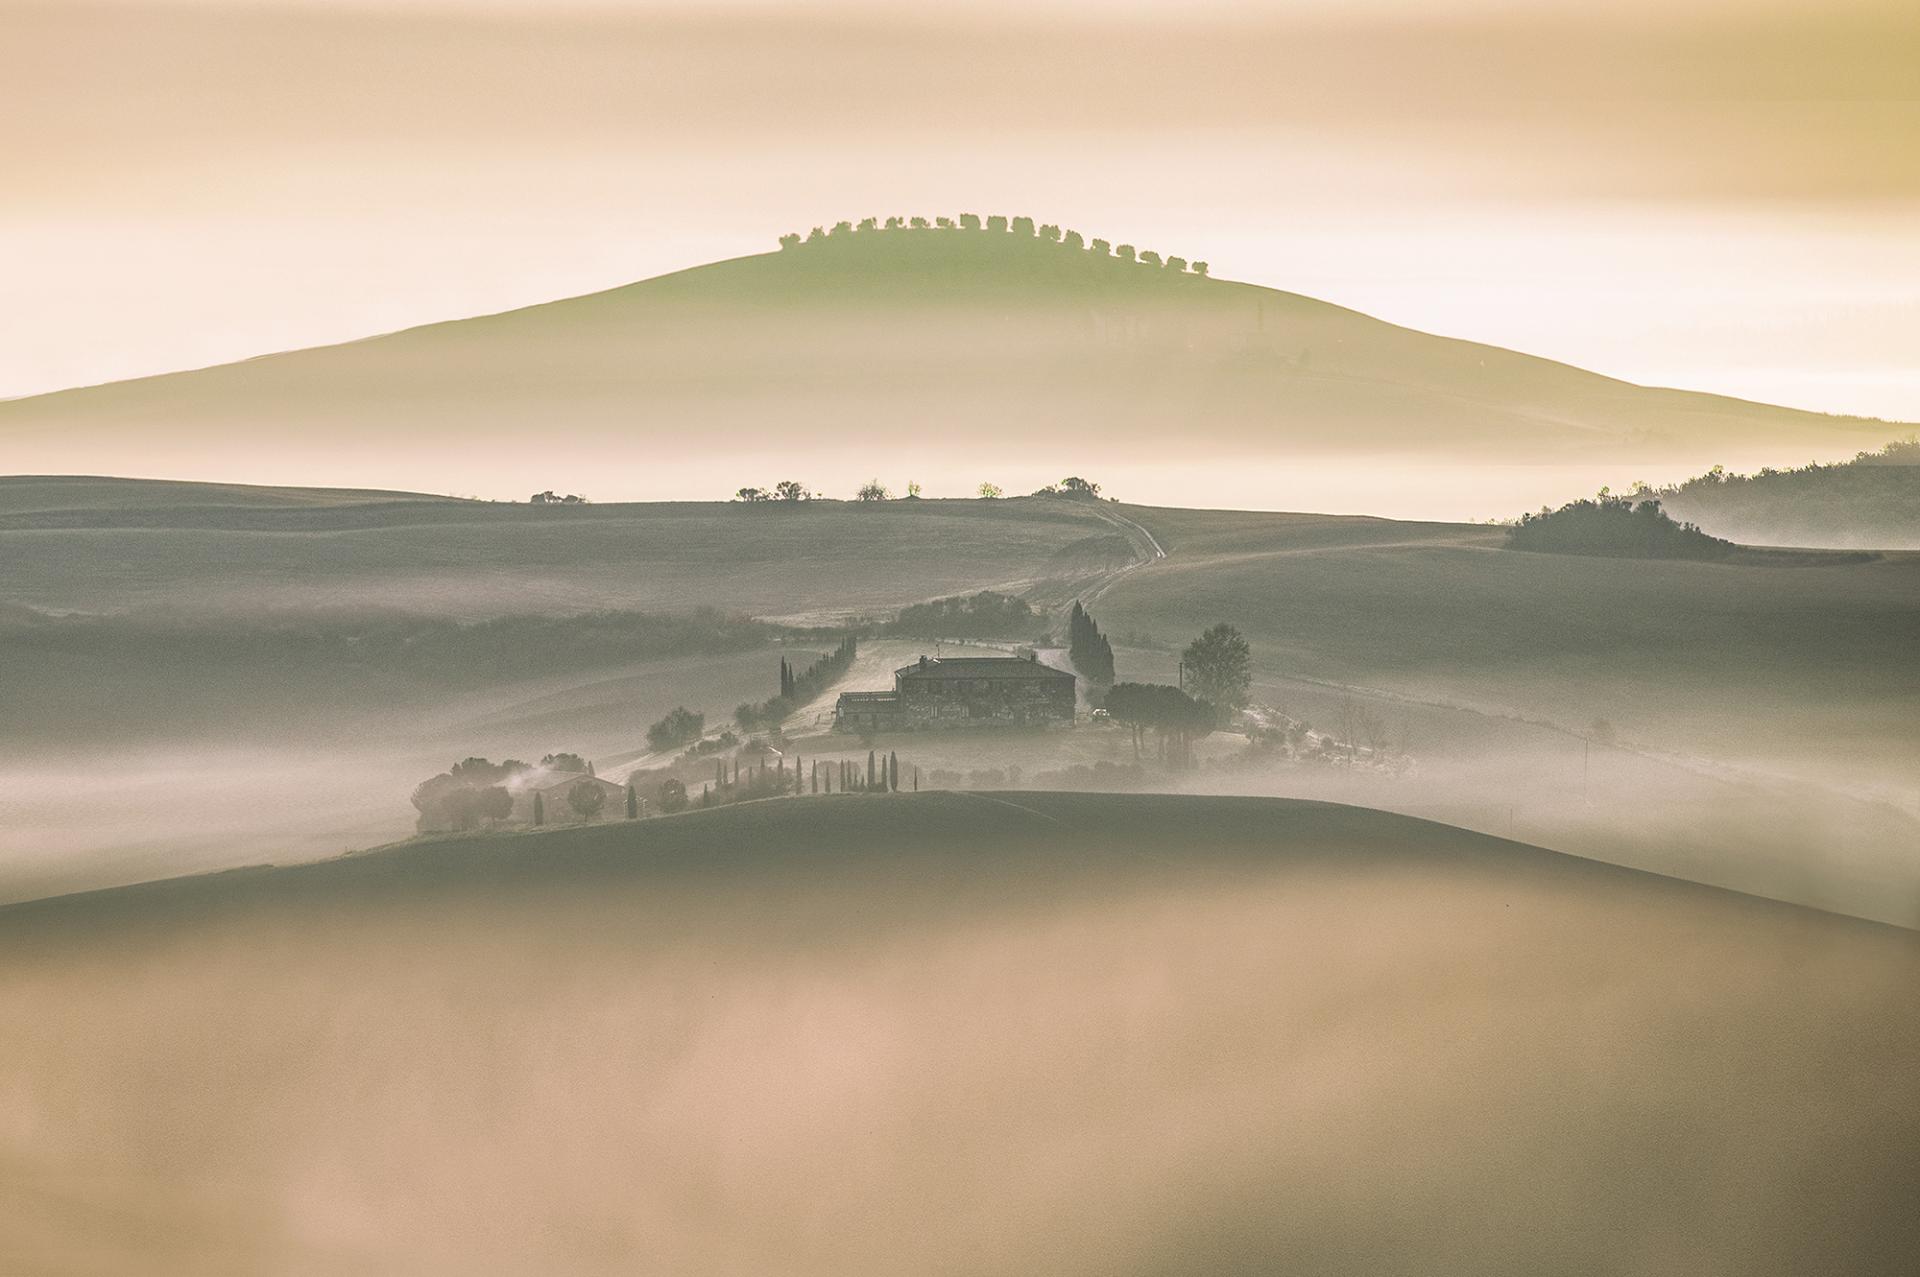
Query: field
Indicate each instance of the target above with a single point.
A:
(945, 1033)
(917, 355)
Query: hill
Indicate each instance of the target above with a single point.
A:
(1044, 1032)
(1870, 502)
(963, 356)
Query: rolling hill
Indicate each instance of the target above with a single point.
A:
(949, 356)
(944, 1033)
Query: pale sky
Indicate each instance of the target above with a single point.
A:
(1714, 195)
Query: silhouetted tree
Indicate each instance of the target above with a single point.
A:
(1020, 226)
(969, 221)
(539, 811)
(870, 771)
(1075, 486)
(1072, 239)
(989, 491)
(918, 223)
(893, 771)
(790, 240)
(1219, 667)
(1124, 252)
(872, 490)
(1149, 258)
(1101, 248)
(997, 223)
(753, 494)
(633, 802)
(1177, 264)
(673, 795)
(869, 223)
(817, 233)
(565, 763)
(1050, 233)
(841, 228)
(677, 728)
(945, 223)
(586, 799)
(790, 490)
(1200, 269)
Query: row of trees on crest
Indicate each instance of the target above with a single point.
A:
(995, 224)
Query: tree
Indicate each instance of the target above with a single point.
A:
(586, 798)
(869, 223)
(673, 795)
(539, 811)
(1050, 233)
(872, 490)
(1177, 264)
(893, 224)
(790, 240)
(495, 803)
(893, 771)
(753, 494)
(1021, 226)
(817, 234)
(913, 490)
(791, 490)
(677, 728)
(1149, 258)
(997, 223)
(1219, 667)
(1200, 269)
(945, 223)
(633, 802)
(1072, 239)
(1075, 486)
(841, 228)
(564, 763)
(1124, 252)
(918, 223)
(989, 491)
(969, 221)
(1101, 248)
(1176, 718)
(871, 782)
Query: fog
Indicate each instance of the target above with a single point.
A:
(942, 1035)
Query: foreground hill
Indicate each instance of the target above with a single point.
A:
(950, 356)
(937, 1033)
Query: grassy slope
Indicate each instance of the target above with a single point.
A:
(472, 559)
(851, 1035)
(919, 349)
(1735, 660)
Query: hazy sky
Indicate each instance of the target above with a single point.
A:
(1712, 194)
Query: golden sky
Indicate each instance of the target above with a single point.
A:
(1716, 195)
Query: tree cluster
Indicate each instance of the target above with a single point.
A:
(1071, 486)
(984, 615)
(1176, 719)
(1087, 647)
(797, 687)
(788, 490)
(1615, 527)
(548, 498)
(994, 224)
(679, 727)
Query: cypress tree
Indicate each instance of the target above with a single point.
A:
(893, 772)
(916, 778)
(539, 811)
(870, 774)
(633, 802)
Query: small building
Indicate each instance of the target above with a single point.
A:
(963, 691)
(555, 807)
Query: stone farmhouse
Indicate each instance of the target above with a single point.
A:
(964, 691)
(553, 789)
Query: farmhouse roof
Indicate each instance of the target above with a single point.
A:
(1004, 667)
(567, 780)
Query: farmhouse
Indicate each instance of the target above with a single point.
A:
(554, 790)
(964, 691)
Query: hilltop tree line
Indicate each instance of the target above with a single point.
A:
(797, 687)
(984, 615)
(997, 224)
(1871, 500)
(1614, 527)
(1087, 647)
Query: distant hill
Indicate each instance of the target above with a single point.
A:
(903, 353)
(1871, 502)
(1049, 1033)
